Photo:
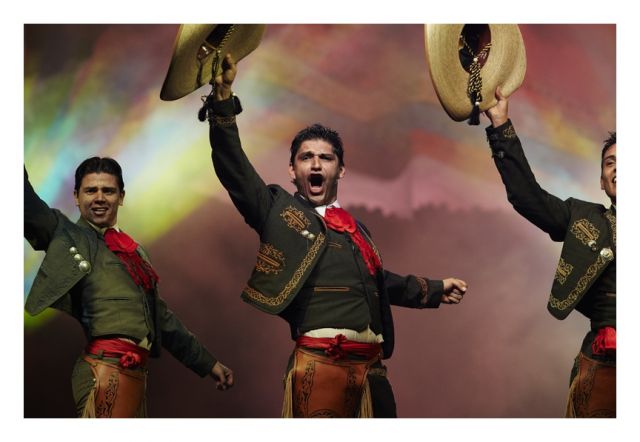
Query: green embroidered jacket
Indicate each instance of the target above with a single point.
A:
(293, 236)
(82, 277)
(588, 230)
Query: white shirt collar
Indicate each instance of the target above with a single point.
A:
(322, 209)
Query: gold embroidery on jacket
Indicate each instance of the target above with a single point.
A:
(563, 271)
(580, 286)
(509, 132)
(270, 259)
(612, 220)
(295, 219)
(224, 121)
(424, 287)
(295, 279)
(585, 231)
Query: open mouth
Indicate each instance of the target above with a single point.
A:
(99, 211)
(614, 179)
(315, 183)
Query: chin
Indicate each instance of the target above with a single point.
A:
(316, 201)
(99, 222)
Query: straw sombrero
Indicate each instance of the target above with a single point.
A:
(504, 64)
(196, 49)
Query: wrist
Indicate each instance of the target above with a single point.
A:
(499, 121)
(223, 93)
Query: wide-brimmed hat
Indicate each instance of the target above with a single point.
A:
(197, 47)
(504, 64)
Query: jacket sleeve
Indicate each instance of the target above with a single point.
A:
(181, 343)
(251, 196)
(546, 211)
(413, 291)
(40, 221)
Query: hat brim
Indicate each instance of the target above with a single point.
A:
(186, 73)
(505, 67)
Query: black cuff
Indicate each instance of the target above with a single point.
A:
(501, 133)
(227, 108)
(432, 293)
(224, 111)
(204, 366)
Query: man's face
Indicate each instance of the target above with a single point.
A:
(99, 198)
(316, 171)
(608, 176)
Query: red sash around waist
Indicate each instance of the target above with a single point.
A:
(130, 355)
(339, 346)
(605, 341)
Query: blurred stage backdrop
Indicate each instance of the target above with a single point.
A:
(424, 185)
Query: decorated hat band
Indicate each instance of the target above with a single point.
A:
(468, 62)
(198, 51)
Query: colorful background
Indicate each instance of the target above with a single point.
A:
(425, 186)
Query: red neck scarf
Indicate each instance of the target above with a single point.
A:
(340, 220)
(125, 248)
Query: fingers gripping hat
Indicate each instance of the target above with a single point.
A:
(199, 49)
(468, 62)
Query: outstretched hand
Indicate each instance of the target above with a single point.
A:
(226, 77)
(499, 114)
(222, 375)
(454, 290)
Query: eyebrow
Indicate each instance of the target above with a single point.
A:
(115, 189)
(320, 154)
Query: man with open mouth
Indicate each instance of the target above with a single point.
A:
(97, 273)
(585, 278)
(318, 269)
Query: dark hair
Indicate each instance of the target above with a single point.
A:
(318, 132)
(607, 144)
(99, 165)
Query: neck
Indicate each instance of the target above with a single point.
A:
(326, 203)
(323, 203)
(102, 229)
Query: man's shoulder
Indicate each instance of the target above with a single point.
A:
(69, 233)
(281, 194)
(66, 225)
(578, 205)
(277, 189)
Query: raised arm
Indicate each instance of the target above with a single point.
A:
(40, 220)
(541, 208)
(247, 190)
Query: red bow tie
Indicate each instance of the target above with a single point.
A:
(340, 220)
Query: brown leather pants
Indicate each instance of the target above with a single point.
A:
(323, 387)
(593, 389)
(104, 389)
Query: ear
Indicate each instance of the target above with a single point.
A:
(601, 183)
(343, 170)
(75, 197)
(292, 173)
(121, 199)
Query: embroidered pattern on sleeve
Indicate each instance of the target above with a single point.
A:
(563, 271)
